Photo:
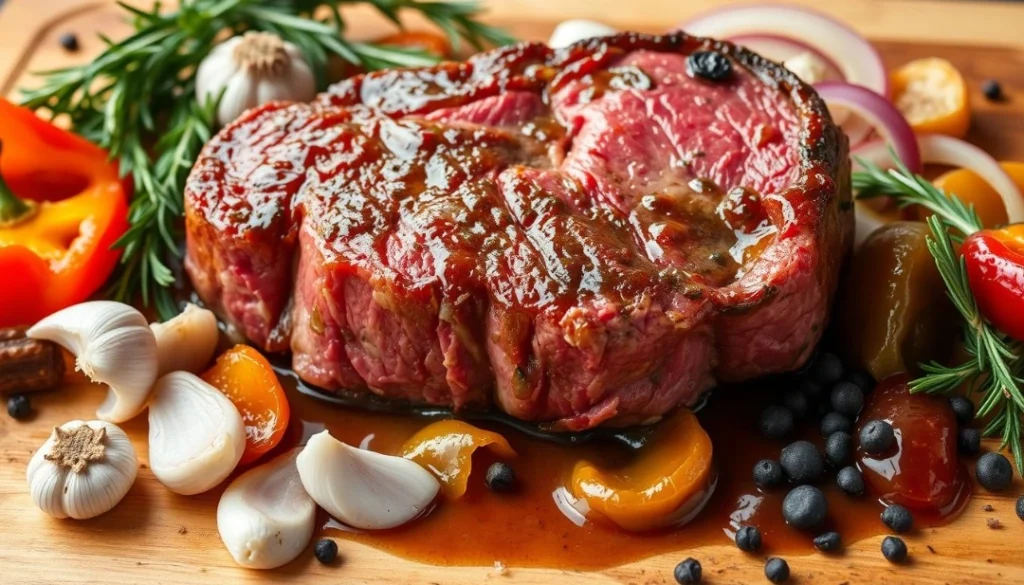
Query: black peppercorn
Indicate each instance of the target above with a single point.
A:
(994, 472)
(802, 462)
(847, 399)
(777, 570)
(834, 422)
(809, 388)
(805, 507)
(776, 422)
(827, 369)
(19, 407)
(861, 379)
(797, 403)
(688, 572)
(963, 408)
(709, 65)
(748, 539)
(500, 477)
(850, 480)
(69, 41)
(828, 542)
(992, 90)
(968, 441)
(1020, 508)
(326, 551)
(898, 518)
(768, 473)
(876, 437)
(894, 549)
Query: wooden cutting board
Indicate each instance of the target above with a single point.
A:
(154, 536)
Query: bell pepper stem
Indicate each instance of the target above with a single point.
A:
(12, 208)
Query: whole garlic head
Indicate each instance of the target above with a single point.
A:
(113, 345)
(265, 516)
(83, 470)
(251, 70)
(196, 436)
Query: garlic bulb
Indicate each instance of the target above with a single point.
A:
(572, 31)
(196, 436)
(361, 488)
(186, 343)
(251, 70)
(113, 345)
(83, 470)
(265, 517)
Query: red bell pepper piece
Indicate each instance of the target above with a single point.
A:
(995, 269)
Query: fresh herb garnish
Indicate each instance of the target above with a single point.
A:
(995, 366)
(136, 99)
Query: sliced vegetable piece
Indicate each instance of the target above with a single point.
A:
(667, 484)
(446, 448)
(972, 189)
(879, 113)
(995, 268)
(428, 42)
(247, 378)
(954, 152)
(932, 96)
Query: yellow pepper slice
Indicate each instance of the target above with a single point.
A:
(972, 189)
(933, 97)
(670, 477)
(445, 448)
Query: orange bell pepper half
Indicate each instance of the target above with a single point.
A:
(62, 208)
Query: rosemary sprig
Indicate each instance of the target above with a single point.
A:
(136, 100)
(994, 369)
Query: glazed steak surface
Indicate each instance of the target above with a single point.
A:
(578, 237)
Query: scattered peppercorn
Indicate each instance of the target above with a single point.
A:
(834, 422)
(18, 406)
(748, 539)
(1020, 508)
(768, 473)
(898, 518)
(828, 542)
(776, 422)
(797, 403)
(968, 441)
(994, 472)
(839, 448)
(688, 572)
(827, 370)
(777, 570)
(805, 507)
(876, 437)
(500, 477)
(69, 41)
(993, 523)
(326, 551)
(963, 408)
(847, 399)
(802, 462)
(992, 90)
(861, 379)
(894, 549)
(709, 65)
(850, 480)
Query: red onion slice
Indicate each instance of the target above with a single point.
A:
(880, 114)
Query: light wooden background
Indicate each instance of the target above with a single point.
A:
(157, 537)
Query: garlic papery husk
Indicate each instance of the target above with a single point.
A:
(251, 70)
(83, 470)
(113, 345)
(362, 488)
(186, 343)
(196, 435)
(265, 516)
(572, 31)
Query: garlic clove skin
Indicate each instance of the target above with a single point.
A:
(196, 436)
(572, 31)
(265, 517)
(62, 492)
(186, 343)
(113, 345)
(362, 488)
(251, 70)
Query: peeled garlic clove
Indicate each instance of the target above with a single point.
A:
(361, 488)
(265, 517)
(113, 345)
(83, 470)
(186, 343)
(196, 435)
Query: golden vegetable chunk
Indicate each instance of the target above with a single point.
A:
(671, 477)
(445, 448)
(893, 312)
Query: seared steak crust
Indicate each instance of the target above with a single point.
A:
(577, 237)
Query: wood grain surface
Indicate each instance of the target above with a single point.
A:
(154, 536)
